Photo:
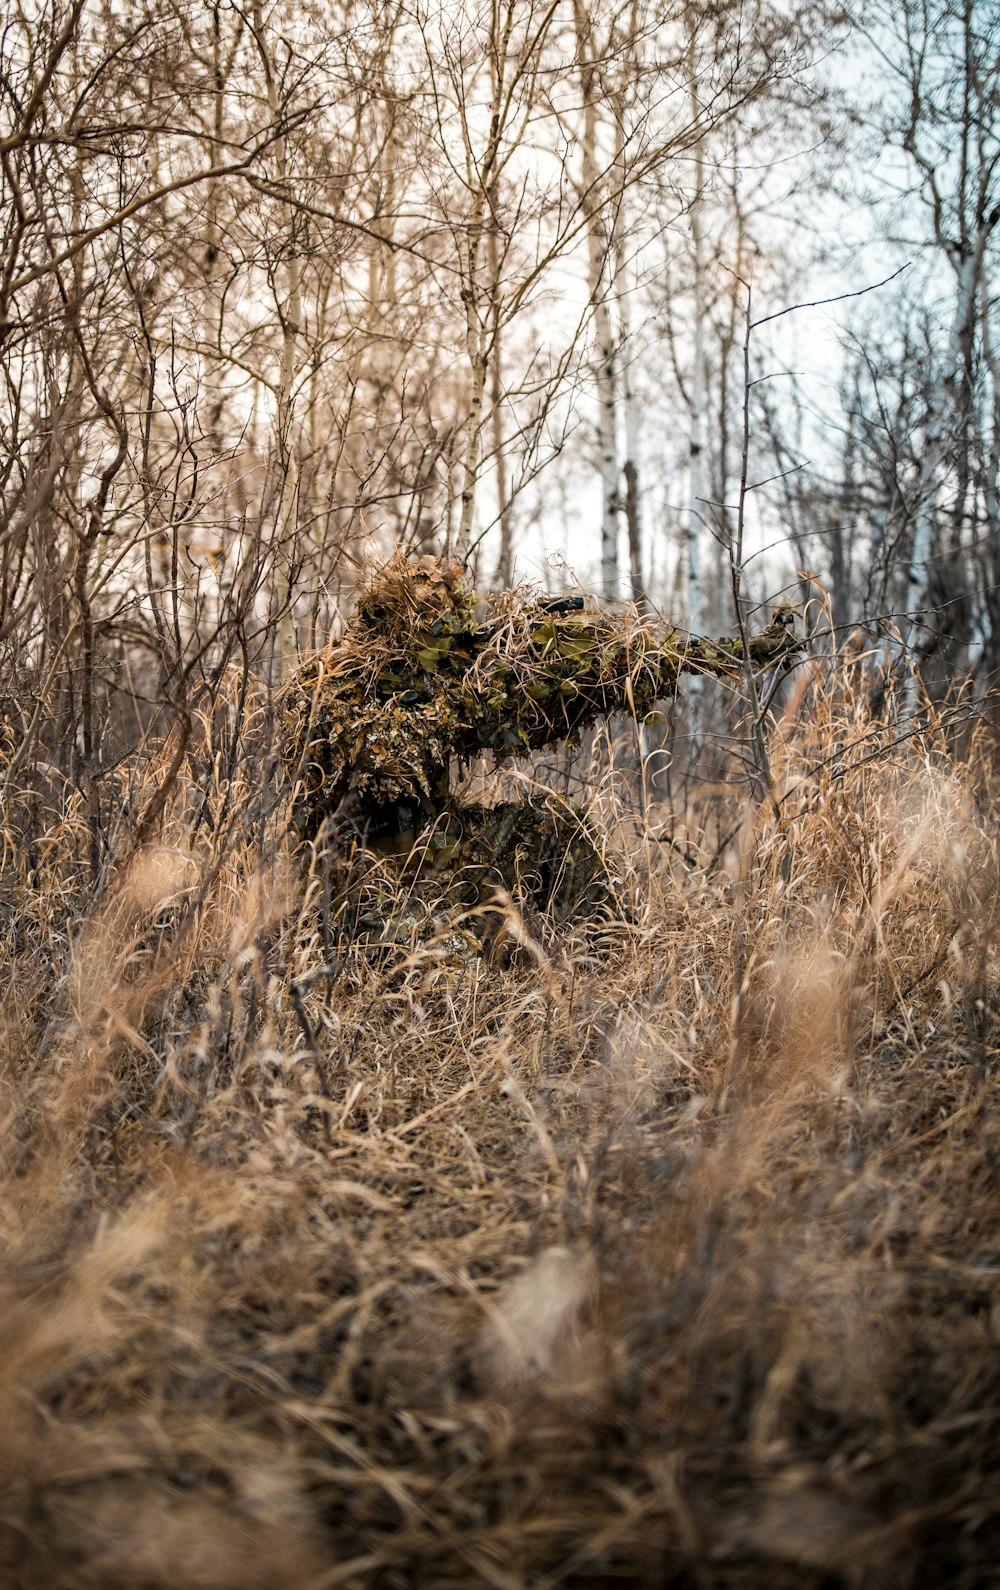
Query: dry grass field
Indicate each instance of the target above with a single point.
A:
(663, 1250)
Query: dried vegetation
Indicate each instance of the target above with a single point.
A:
(660, 1252)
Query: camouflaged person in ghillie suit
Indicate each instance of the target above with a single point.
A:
(426, 673)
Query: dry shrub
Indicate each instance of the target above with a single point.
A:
(664, 1253)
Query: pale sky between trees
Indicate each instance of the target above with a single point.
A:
(285, 288)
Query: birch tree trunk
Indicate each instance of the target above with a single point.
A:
(598, 251)
(693, 575)
(290, 317)
(626, 364)
(633, 496)
(480, 295)
(991, 497)
(505, 561)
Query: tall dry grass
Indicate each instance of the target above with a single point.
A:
(660, 1252)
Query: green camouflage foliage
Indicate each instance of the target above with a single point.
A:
(426, 672)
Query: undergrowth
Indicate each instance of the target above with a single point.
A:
(663, 1252)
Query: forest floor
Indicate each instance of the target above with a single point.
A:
(659, 1250)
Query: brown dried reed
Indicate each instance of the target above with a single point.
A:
(664, 1254)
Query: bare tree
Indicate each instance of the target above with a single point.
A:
(939, 109)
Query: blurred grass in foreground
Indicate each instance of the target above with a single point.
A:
(666, 1253)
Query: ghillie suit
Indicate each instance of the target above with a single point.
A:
(425, 672)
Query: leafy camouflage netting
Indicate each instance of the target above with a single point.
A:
(543, 853)
(455, 885)
(426, 672)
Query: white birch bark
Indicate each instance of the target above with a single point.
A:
(505, 561)
(629, 397)
(692, 562)
(598, 248)
(991, 502)
(480, 294)
(290, 314)
(633, 495)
